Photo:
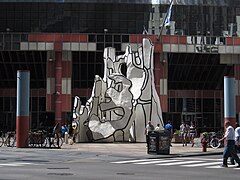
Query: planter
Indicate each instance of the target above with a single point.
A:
(176, 138)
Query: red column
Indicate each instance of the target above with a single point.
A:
(58, 87)
(66, 82)
(160, 73)
(50, 96)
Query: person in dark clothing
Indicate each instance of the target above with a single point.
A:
(148, 129)
(192, 133)
(169, 128)
(229, 148)
(57, 131)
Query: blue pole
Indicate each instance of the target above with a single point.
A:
(22, 114)
(229, 100)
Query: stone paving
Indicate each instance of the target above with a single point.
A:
(138, 149)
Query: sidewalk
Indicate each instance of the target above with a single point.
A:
(138, 149)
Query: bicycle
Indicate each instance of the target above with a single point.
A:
(37, 138)
(49, 139)
(9, 141)
(43, 138)
(57, 140)
(213, 139)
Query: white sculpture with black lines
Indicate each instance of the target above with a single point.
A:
(120, 106)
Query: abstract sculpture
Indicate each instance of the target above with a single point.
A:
(121, 105)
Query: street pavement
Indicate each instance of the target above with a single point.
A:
(138, 150)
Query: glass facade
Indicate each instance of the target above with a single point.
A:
(73, 17)
(205, 112)
(11, 61)
(196, 71)
(87, 64)
(206, 20)
(128, 18)
(8, 112)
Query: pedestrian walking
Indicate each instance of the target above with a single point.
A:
(237, 137)
(75, 130)
(229, 148)
(169, 128)
(237, 134)
(192, 133)
(183, 131)
(64, 130)
(148, 129)
(157, 128)
(57, 131)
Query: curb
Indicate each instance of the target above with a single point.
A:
(152, 156)
(171, 155)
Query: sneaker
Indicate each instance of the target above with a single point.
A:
(223, 165)
(238, 166)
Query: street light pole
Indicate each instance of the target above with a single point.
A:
(105, 32)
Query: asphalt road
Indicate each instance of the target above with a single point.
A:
(36, 164)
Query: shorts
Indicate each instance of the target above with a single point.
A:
(192, 135)
(183, 135)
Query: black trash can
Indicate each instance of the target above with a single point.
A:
(158, 142)
(164, 142)
(152, 142)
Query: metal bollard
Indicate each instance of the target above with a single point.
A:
(66, 137)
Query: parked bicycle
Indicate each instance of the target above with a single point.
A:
(9, 140)
(213, 139)
(37, 138)
(43, 138)
(52, 140)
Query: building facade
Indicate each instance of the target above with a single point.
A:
(61, 42)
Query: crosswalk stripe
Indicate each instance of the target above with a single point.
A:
(133, 161)
(196, 158)
(179, 163)
(10, 165)
(14, 164)
(22, 163)
(202, 164)
(155, 162)
(219, 166)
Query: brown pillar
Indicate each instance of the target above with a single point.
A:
(50, 96)
(58, 87)
(160, 72)
(66, 83)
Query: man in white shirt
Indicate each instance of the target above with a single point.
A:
(237, 134)
(237, 137)
(148, 129)
(229, 148)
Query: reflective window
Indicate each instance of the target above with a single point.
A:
(72, 17)
(199, 110)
